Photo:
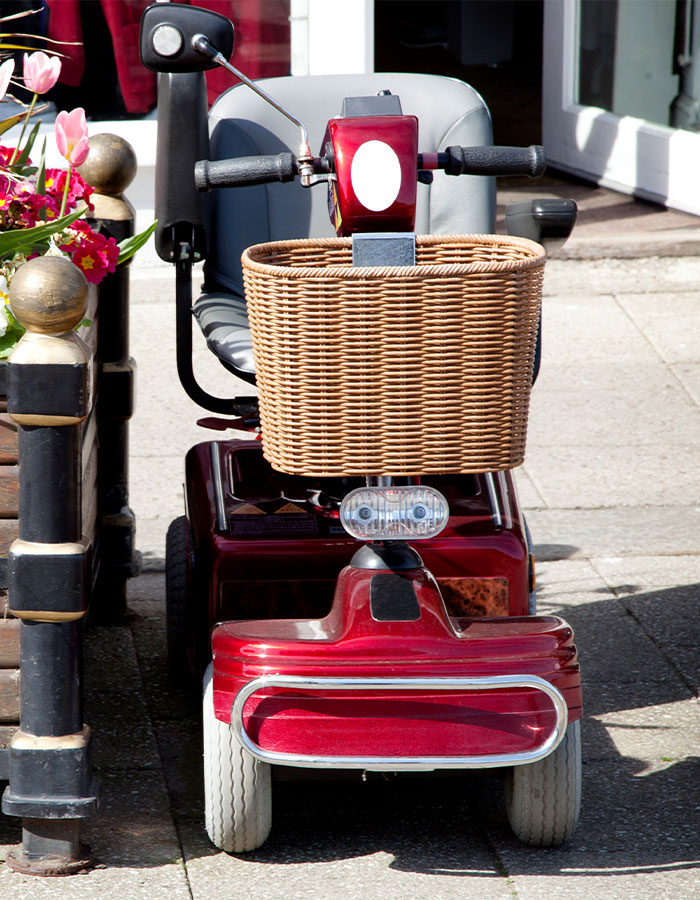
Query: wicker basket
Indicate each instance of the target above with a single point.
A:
(394, 371)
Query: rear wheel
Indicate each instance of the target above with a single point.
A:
(543, 799)
(237, 787)
(178, 600)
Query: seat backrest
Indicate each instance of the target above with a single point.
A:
(242, 124)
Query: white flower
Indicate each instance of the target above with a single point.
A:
(4, 301)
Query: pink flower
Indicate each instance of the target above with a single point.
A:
(78, 188)
(72, 136)
(41, 71)
(6, 70)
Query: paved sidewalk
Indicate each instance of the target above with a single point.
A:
(611, 487)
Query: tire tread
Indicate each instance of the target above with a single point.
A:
(237, 787)
(543, 799)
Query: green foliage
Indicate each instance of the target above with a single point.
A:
(13, 333)
(130, 245)
(30, 240)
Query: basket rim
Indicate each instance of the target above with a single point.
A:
(535, 258)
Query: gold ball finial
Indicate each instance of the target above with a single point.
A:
(110, 166)
(48, 295)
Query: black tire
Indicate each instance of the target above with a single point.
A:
(543, 799)
(178, 601)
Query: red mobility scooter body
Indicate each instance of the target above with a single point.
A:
(297, 556)
(382, 657)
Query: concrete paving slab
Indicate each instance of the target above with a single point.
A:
(617, 476)
(622, 276)
(689, 376)
(580, 328)
(602, 375)
(672, 327)
(633, 411)
(614, 650)
(527, 492)
(636, 835)
(180, 746)
(164, 424)
(122, 734)
(660, 735)
(109, 660)
(623, 531)
(629, 576)
(602, 696)
(568, 578)
(133, 841)
(669, 617)
(399, 838)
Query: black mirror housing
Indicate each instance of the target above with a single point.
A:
(547, 221)
(167, 33)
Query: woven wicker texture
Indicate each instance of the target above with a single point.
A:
(394, 371)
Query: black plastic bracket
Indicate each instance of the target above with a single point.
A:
(183, 313)
(394, 556)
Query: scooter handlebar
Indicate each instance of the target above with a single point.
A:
(493, 161)
(244, 170)
(249, 170)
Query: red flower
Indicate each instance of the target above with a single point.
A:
(94, 254)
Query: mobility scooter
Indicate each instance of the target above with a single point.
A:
(354, 578)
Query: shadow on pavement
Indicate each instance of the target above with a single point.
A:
(640, 793)
(640, 785)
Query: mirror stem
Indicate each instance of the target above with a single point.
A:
(304, 158)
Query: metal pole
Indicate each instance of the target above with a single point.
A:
(49, 583)
(110, 168)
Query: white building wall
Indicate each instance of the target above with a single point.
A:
(332, 37)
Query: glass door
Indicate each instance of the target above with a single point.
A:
(621, 89)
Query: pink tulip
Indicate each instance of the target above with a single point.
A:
(41, 71)
(72, 136)
(6, 70)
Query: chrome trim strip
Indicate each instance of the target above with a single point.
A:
(219, 496)
(496, 514)
(399, 763)
(506, 494)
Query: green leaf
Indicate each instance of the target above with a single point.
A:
(12, 242)
(24, 155)
(13, 333)
(130, 245)
(41, 180)
(10, 121)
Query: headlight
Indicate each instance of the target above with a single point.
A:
(394, 513)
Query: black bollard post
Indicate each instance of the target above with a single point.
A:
(110, 169)
(49, 396)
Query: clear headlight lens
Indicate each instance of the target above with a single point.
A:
(394, 513)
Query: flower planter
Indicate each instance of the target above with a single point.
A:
(66, 533)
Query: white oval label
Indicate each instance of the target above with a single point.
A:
(376, 175)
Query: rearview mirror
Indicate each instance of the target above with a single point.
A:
(167, 31)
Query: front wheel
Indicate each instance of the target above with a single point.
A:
(543, 799)
(237, 787)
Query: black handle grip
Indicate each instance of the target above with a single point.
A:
(244, 170)
(495, 161)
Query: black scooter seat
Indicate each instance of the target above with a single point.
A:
(223, 319)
